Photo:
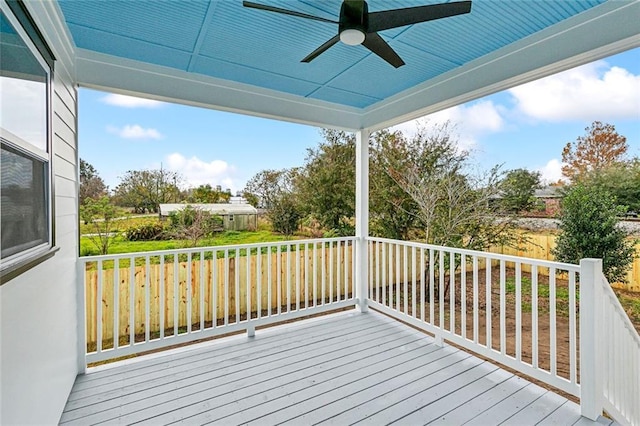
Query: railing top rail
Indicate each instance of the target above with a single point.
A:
(497, 256)
(212, 249)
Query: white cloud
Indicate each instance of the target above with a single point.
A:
(130, 101)
(198, 172)
(135, 131)
(594, 91)
(26, 118)
(551, 172)
(471, 121)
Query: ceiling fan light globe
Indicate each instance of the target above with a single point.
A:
(352, 37)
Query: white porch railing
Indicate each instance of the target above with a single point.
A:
(501, 307)
(142, 301)
(523, 313)
(615, 357)
(477, 300)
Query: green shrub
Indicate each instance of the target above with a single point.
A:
(190, 216)
(285, 214)
(88, 251)
(144, 232)
(589, 229)
(192, 224)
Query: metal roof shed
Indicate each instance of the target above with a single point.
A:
(235, 217)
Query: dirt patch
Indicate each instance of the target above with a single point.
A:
(488, 316)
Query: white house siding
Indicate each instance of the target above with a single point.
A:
(38, 327)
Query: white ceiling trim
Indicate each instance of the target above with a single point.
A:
(129, 77)
(48, 18)
(597, 33)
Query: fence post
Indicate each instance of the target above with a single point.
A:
(591, 354)
(362, 218)
(81, 312)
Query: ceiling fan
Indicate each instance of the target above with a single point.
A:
(357, 25)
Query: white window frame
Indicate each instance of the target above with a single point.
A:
(17, 263)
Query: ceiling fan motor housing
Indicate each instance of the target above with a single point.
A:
(353, 21)
(357, 27)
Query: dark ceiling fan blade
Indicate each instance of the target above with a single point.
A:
(325, 46)
(285, 12)
(387, 19)
(377, 45)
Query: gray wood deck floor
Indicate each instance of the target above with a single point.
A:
(339, 369)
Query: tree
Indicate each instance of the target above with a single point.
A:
(274, 191)
(191, 224)
(518, 189)
(326, 184)
(621, 180)
(91, 185)
(285, 214)
(600, 148)
(267, 185)
(392, 211)
(207, 194)
(99, 215)
(454, 205)
(589, 228)
(145, 190)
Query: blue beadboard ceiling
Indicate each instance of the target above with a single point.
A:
(219, 54)
(222, 39)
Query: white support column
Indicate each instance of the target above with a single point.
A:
(81, 317)
(590, 338)
(362, 218)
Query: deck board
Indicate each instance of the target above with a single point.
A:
(479, 404)
(429, 413)
(343, 368)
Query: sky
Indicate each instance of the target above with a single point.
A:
(523, 127)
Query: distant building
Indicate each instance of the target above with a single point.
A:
(238, 199)
(235, 217)
(551, 197)
(548, 201)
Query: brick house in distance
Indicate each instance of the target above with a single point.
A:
(549, 197)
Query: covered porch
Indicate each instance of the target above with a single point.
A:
(61, 312)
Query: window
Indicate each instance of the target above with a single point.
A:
(25, 154)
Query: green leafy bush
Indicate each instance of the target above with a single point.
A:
(285, 214)
(190, 216)
(589, 229)
(144, 232)
(192, 224)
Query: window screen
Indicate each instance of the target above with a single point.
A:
(25, 210)
(23, 188)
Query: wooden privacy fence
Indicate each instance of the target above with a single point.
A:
(540, 247)
(291, 278)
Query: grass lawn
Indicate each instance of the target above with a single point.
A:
(631, 304)
(121, 224)
(119, 245)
